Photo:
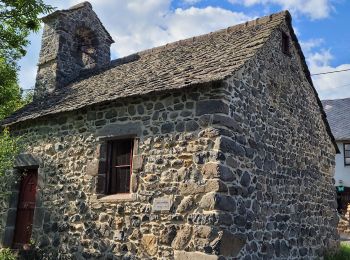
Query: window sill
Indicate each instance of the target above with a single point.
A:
(118, 197)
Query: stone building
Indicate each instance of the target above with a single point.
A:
(338, 117)
(211, 146)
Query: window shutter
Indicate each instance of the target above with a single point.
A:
(102, 168)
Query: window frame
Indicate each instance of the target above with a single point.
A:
(110, 145)
(346, 150)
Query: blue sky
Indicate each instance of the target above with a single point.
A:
(321, 27)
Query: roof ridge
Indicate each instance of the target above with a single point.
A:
(335, 99)
(258, 21)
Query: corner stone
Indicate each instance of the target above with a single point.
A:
(183, 255)
(212, 106)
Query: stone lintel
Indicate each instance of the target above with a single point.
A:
(119, 130)
(26, 161)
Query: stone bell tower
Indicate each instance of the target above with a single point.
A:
(73, 41)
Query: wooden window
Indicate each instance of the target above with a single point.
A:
(285, 43)
(347, 154)
(119, 162)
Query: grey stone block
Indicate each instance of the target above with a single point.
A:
(118, 129)
(212, 106)
(8, 237)
(38, 220)
(26, 160)
(13, 200)
(183, 255)
(228, 122)
(11, 217)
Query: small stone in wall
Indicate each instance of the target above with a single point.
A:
(149, 244)
(182, 238)
(185, 205)
(167, 235)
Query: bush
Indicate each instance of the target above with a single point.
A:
(7, 254)
(342, 254)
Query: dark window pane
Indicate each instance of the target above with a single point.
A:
(347, 154)
(120, 166)
(347, 161)
(124, 152)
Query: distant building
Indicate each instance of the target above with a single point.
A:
(213, 147)
(338, 115)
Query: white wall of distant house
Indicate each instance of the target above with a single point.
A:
(342, 172)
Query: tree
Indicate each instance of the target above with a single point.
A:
(18, 18)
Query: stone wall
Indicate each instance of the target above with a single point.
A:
(246, 162)
(176, 143)
(282, 159)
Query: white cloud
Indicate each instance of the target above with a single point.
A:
(140, 24)
(315, 9)
(328, 86)
(191, 2)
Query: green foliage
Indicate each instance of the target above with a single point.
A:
(7, 254)
(10, 92)
(18, 19)
(342, 254)
(9, 148)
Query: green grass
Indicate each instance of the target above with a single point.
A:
(342, 254)
(7, 254)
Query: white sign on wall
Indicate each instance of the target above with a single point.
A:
(161, 204)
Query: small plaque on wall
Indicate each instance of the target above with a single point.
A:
(161, 204)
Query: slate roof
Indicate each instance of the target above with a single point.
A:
(196, 60)
(207, 58)
(338, 116)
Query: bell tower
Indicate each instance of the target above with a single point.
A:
(73, 41)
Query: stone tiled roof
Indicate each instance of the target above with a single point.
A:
(184, 63)
(338, 116)
(196, 60)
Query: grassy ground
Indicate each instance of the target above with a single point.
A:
(342, 254)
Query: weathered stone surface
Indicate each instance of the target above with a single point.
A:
(213, 201)
(217, 170)
(183, 255)
(149, 244)
(26, 160)
(182, 238)
(227, 145)
(186, 204)
(205, 232)
(189, 188)
(230, 244)
(211, 107)
(233, 157)
(227, 121)
(167, 235)
(137, 162)
(120, 129)
(92, 167)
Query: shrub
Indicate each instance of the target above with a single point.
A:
(7, 254)
(342, 254)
